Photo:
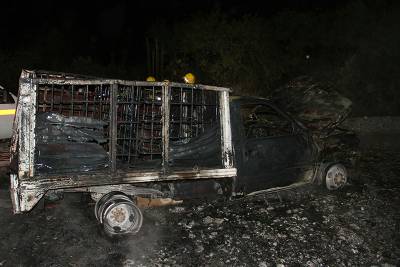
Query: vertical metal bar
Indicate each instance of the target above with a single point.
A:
(101, 103)
(180, 114)
(87, 100)
(139, 122)
(126, 124)
(113, 127)
(191, 116)
(226, 135)
(140, 119)
(52, 98)
(152, 125)
(217, 99)
(203, 106)
(121, 125)
(165, 108)
(61, 99)
(97, 102)
(132, 113)
(26, 131)
(72, 100)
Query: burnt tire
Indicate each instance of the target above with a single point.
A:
(336, 176)
(118, 214)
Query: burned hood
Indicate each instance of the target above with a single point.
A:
(315, 104)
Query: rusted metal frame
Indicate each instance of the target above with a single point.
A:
(127, 83)
(137, 119)
(60, 107)
(86, 100)
(180, 135)
(122, 118)
(26, 122)
(95, 102)
(226, 134)
(72, 100)
(52, 98)
(32, 191)
(152, 124)
(196, 107)
(113, 127)
(202, 110)
(15, 149)
(217, 99)
(191, 114)
(127, 189)
(165, 118)
(127, 124)
(185, 121)
(131, 121)
(140, 119)
(122, 177)
(14, 192)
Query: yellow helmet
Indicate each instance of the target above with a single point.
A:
(150, 79)
(189, 78)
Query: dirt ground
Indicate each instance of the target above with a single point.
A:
(357, 226)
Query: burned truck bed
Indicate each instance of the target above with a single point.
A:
(76, 132)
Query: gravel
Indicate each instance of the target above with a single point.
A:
(359, 225)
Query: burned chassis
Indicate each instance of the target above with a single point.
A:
(164, 141)
(28, 185)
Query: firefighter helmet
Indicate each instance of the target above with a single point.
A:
(189, 78)
(150, 79)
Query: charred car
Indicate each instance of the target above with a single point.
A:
(123, 142)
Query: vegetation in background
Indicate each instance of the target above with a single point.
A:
(356, 47)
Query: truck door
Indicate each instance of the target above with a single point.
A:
(275, 150)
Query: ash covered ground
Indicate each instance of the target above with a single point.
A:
(359, 225)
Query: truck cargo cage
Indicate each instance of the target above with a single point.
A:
(119, 131)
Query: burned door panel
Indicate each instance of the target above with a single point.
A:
(275, 151)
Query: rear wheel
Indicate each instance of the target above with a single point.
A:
(118, 214)
(335, 177)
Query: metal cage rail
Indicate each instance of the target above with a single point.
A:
(132, 125)
(141, 118)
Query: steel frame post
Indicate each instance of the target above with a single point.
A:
(165, 108)
(113, 127)
(226, 134)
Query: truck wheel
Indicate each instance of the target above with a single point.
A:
(335, 177)
(118, 214)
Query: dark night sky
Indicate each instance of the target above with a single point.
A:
(353, 43)
(96, 28)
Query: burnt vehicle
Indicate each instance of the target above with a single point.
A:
(123, 142)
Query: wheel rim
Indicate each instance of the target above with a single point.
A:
(336, 177)
(122, 217)
(118, 214)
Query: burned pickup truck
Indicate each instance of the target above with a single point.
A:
(122, 141)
